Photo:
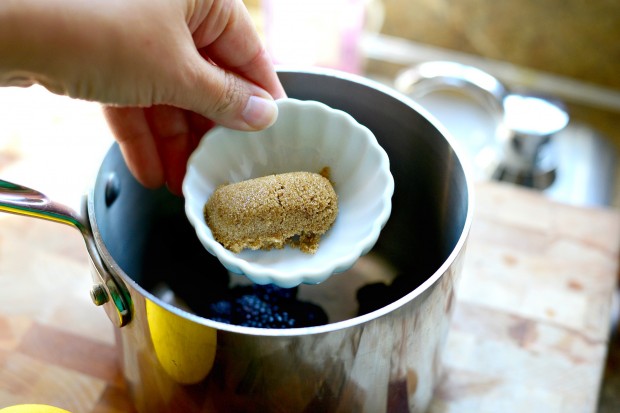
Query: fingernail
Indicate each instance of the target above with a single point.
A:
(259, 112)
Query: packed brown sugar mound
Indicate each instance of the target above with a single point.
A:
(293, 208)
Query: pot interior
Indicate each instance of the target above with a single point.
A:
(147, 234)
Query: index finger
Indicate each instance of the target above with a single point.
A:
(229, 38)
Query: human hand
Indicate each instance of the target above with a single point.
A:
(165, 69)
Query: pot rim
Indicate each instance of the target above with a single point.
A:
(119, 274)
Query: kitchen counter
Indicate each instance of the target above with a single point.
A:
(530, 329)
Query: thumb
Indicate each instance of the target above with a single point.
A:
(226, 98)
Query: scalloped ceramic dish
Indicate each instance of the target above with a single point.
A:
(307, 136)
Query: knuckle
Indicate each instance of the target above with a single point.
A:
(230, 96)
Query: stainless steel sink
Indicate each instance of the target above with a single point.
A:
(568, 161)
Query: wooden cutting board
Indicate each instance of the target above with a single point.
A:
(532, 320)
(529, 332)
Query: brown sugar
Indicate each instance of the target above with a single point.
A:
(293, 208)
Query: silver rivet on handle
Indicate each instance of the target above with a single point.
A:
(99, 295)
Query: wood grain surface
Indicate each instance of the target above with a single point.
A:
(530, 328)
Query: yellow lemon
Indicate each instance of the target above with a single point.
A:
(32, 408)
(185, 349)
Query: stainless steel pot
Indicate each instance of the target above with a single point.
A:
(153, 278)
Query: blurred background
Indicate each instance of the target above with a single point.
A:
(565, 50)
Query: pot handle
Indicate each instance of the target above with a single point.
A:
(20, 200)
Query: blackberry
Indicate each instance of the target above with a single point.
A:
(306, 314)
(273, 294)
(221, 311)
(372, 297)
(406, 282)
(265, 306)
(252, 311)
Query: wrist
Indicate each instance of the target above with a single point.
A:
(35, 39)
